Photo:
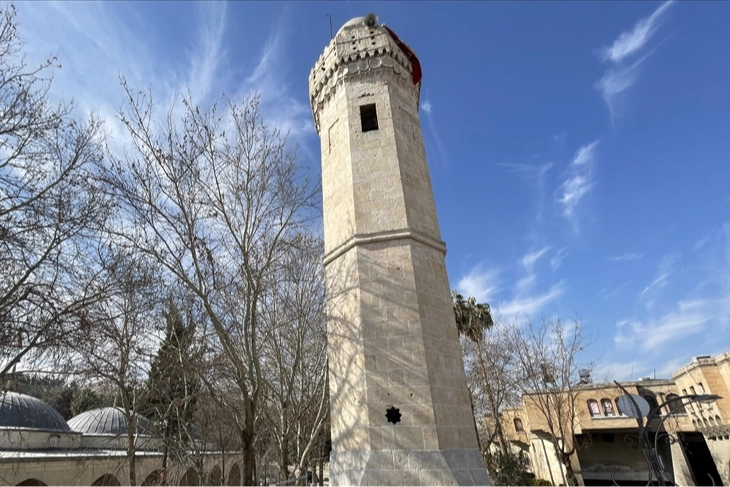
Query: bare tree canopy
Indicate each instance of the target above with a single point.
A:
(548, 357)
(218, 200)
(49, 213)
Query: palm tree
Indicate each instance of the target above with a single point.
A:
(472, 319)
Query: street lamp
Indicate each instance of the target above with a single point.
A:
(656, 468)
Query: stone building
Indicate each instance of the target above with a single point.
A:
(693, 440)
(38, 447)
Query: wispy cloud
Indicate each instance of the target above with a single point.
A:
(534, 175)
(664, 270)
(619, 370)
(609, 292)
(528, 306)
(631, 41)
(557, 260)
(96, 42)
(688, 318)
(427, 108)
(626, 257)
(560, 138)
(531, 258)
(628, 44)
(481, 283)
(686, 324)
(528, 263)
(578, 182)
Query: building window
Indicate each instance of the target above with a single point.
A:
(518, 425)
(369, 117)
(675, 407)
(701, 387)
(618, 409)
(593, 408)
(607, 407)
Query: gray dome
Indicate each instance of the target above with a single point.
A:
(106, 421)
(23, 411)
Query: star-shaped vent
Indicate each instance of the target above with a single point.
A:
(393, 415)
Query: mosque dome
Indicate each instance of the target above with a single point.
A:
(107, 421)
(23, 411)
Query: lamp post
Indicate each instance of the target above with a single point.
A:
(656, 469)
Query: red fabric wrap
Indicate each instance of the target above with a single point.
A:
(415, 63)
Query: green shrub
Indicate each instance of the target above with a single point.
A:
(507, 468)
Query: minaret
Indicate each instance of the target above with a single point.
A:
(400, 409)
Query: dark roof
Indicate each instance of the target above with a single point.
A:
(106, 421)
(23, 411)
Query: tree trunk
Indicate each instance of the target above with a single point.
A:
(570, 477)
(249, 455)
(163, 476)
(284, 458)
(132, 456)
(490, 398)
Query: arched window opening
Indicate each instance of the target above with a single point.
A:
(234, 476)
(106, 479)
(191, 477)
(32, 482)
(215, 476)
(675, 407)
(518, 425)
(593, 409)
(618, 408)
(607, 407)
(718, 419)
(154, 478)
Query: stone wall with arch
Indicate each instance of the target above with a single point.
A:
(110, 468)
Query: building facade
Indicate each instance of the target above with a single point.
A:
(38, 447)
(692, 440)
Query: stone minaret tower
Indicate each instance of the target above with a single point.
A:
(399, 402)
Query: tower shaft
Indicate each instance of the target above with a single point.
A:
(400, 408)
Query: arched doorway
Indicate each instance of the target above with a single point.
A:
(234, 476)
(31, 482)
(106, 479)
(215, 476)
(154, 478)
(191, 477)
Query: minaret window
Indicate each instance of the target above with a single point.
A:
(369, 117)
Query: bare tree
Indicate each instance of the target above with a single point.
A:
(491, 376)
(295, 359)
(116, 346)
(48, 211)
(217, 200)
(548, 356)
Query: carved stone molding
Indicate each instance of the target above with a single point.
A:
(349, 57)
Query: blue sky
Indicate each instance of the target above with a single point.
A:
(579, 151)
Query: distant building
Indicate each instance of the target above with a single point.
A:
(38, 447)
(693, 442)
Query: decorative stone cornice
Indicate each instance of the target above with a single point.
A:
(378, 237)
(357, 51)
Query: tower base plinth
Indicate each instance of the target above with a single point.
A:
(414, 467)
